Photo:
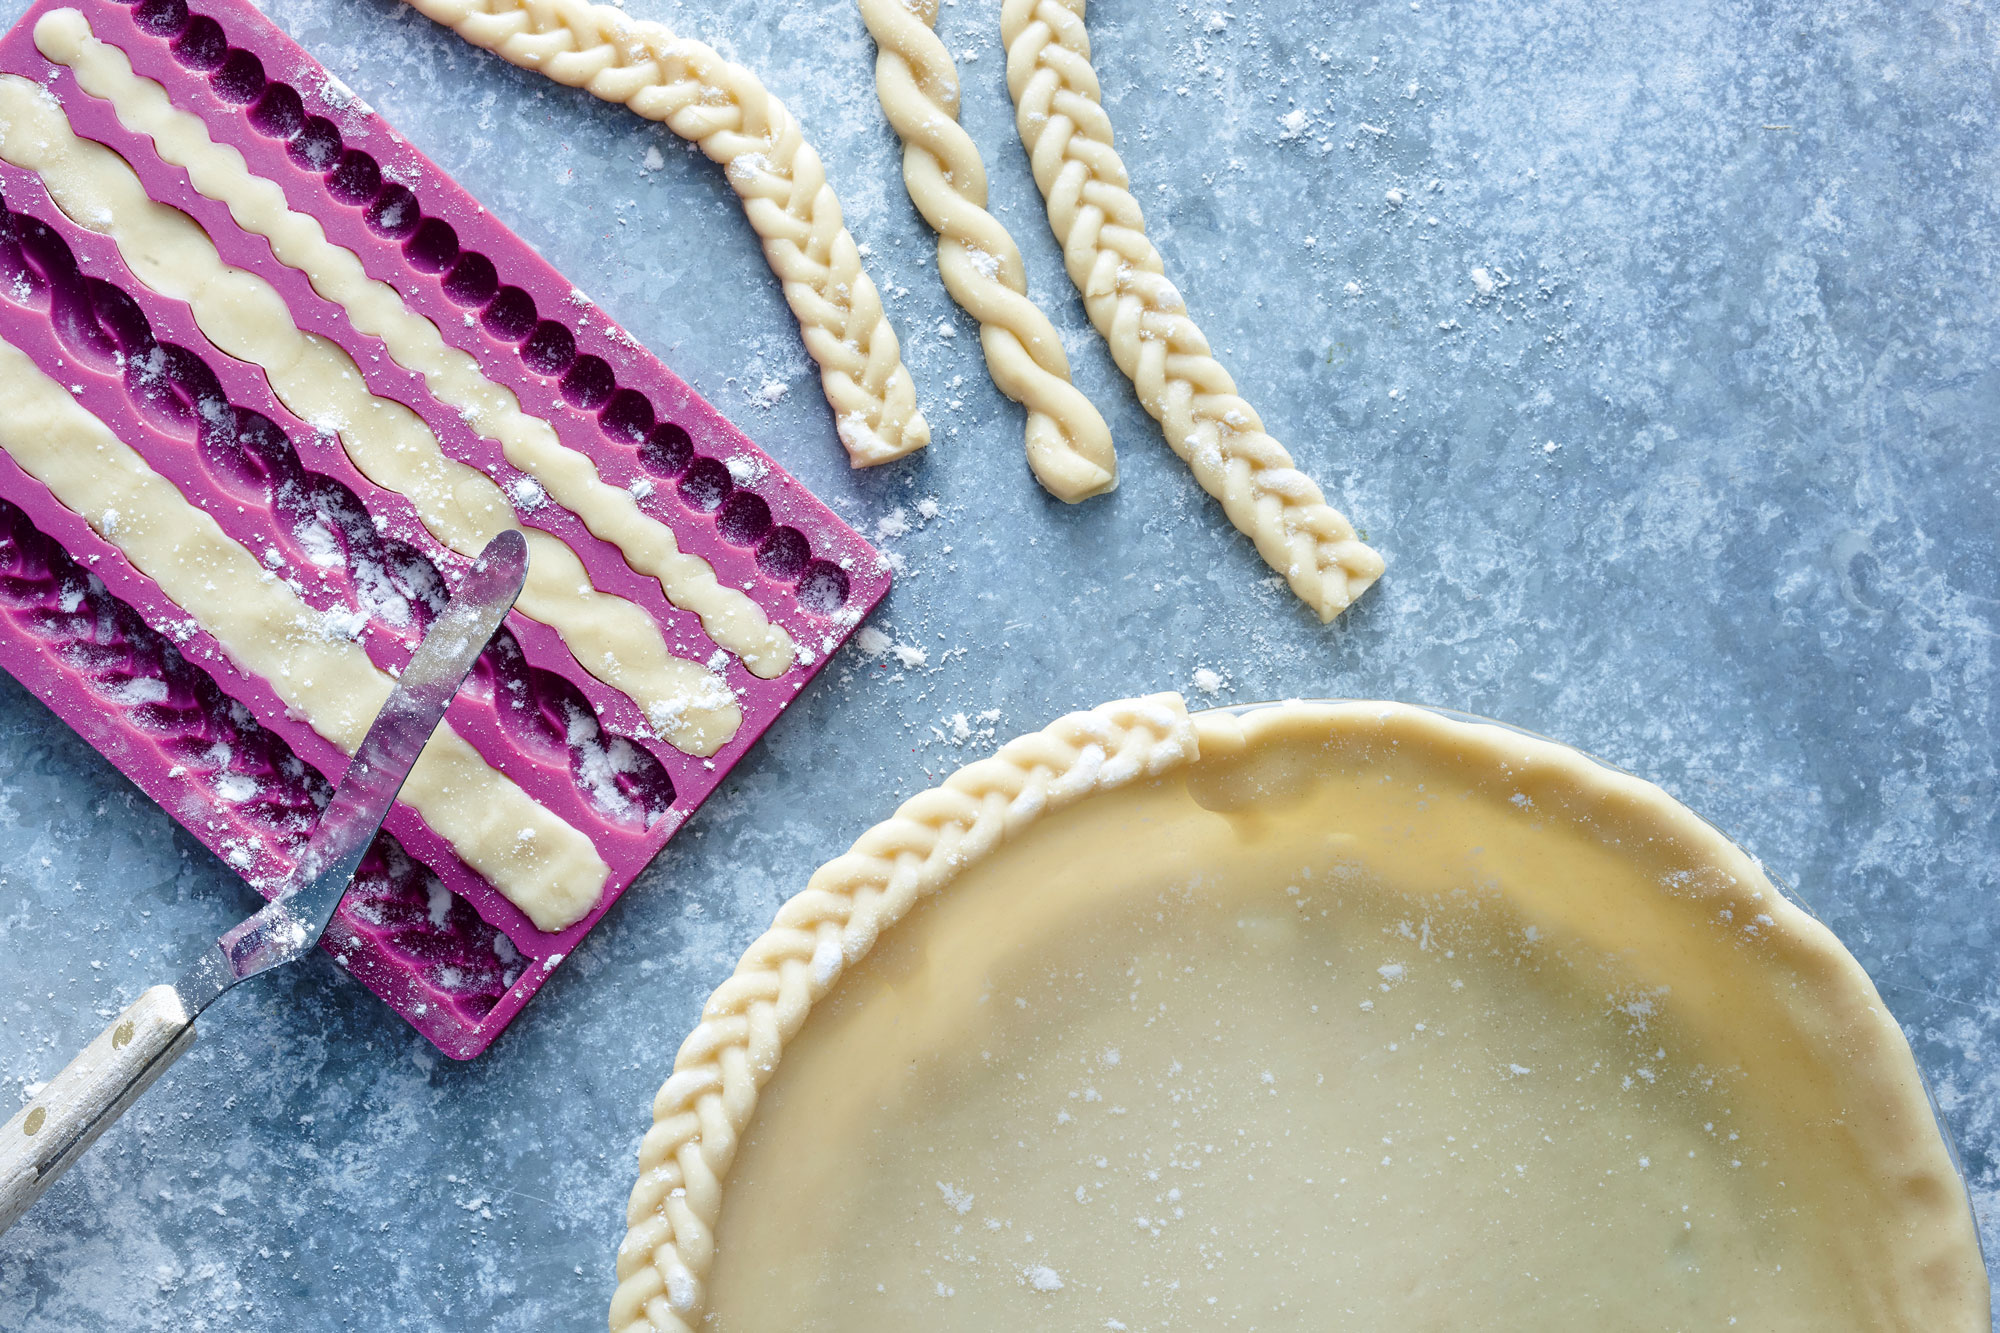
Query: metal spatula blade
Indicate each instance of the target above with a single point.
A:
(66, 1117)
(292, 923)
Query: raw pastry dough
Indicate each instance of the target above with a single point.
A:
(722, 107)
(547, 868)
(1145, 321)
(1351, 1015)
(729, 617)
(613, 639)
(1069, 446)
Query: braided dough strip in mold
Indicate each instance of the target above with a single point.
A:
(1121, 278)
(722, 108)
(703, 1108)
(244, 316)
(1069, 446)
(240, 450)
(413, 341)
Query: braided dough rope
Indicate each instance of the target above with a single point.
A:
(721, 107)
(1069, 446)
(1143, 318)
(704, 1106)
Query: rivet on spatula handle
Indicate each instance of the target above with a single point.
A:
(92, 1091)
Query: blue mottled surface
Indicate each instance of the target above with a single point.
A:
(1706, 486)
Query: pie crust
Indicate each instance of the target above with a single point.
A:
(1298, 1016)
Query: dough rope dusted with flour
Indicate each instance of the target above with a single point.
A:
(1069, 446)
(721, 107)
(1122, 279)
(703, 1108)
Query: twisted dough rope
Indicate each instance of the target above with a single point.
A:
(722, 108)
(703, 1108)
(1145, 321)
(1069, 446)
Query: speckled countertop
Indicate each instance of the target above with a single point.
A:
(1706, 486)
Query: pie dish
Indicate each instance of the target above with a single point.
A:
(1296, 1016)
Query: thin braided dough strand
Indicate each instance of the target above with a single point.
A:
(1069, 446)
(721, 107)
(704, 1107)
(1121, 277)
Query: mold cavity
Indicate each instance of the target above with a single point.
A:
(240, 79)
(744, 518)
(119, 315)
(19, 280)
(621, 780)
(316, 146)
(550, 349)
(394, 213)
(516, 704)
(152, 382)
(251, 457)
(588, 382)
(510, 316)
(430, 934)
(69, 299)
(278, 113)
(783, 554)
(433, 248)
(163, 18)
(706, 485)
(412, 593)
(641, 778)
(472, 280)
(627, 417)
(356, 179)
(667, 450)
(823, 587)
(201, 44)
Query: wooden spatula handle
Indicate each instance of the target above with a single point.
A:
(92, 1091)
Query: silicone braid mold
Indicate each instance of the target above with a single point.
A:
(705, 1105)
(430, 935)
(722, 107)
(1144, 320)
(1069, 446)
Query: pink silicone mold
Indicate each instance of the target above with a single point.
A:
(95, 638)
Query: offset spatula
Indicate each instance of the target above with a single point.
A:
(49, 1134)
